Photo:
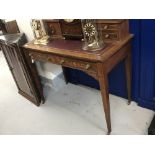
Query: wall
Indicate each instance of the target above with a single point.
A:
(47, 70)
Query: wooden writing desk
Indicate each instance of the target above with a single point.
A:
(98, 64)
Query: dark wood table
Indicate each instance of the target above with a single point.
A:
(69, 53)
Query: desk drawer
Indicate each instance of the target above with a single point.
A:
(110, 35)
(114, 30)
(67, 62)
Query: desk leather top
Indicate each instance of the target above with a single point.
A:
(73, 48)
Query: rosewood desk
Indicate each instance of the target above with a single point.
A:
(69, 53)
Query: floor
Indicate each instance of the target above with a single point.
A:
(69, 110)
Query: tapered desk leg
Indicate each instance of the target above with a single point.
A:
(128, 75)
(103, 81)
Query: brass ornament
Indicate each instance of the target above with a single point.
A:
(39, 34)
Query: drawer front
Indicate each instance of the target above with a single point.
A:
(53, 29)
(110, 35)
(108, 26)
(67, 62)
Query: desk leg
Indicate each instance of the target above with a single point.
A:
(128, 75)
(103, 81)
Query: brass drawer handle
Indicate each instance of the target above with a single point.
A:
(107, 36)
(88, 66)
(105, 27)
(62, 61)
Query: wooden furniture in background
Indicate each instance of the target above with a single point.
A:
(25, 76)
(12, 27)
(2, 27)
(69, 53)
(9, 27)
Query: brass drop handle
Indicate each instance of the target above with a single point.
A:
(107, 36)
(62, 61)
(88, 66)
(105, 27)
